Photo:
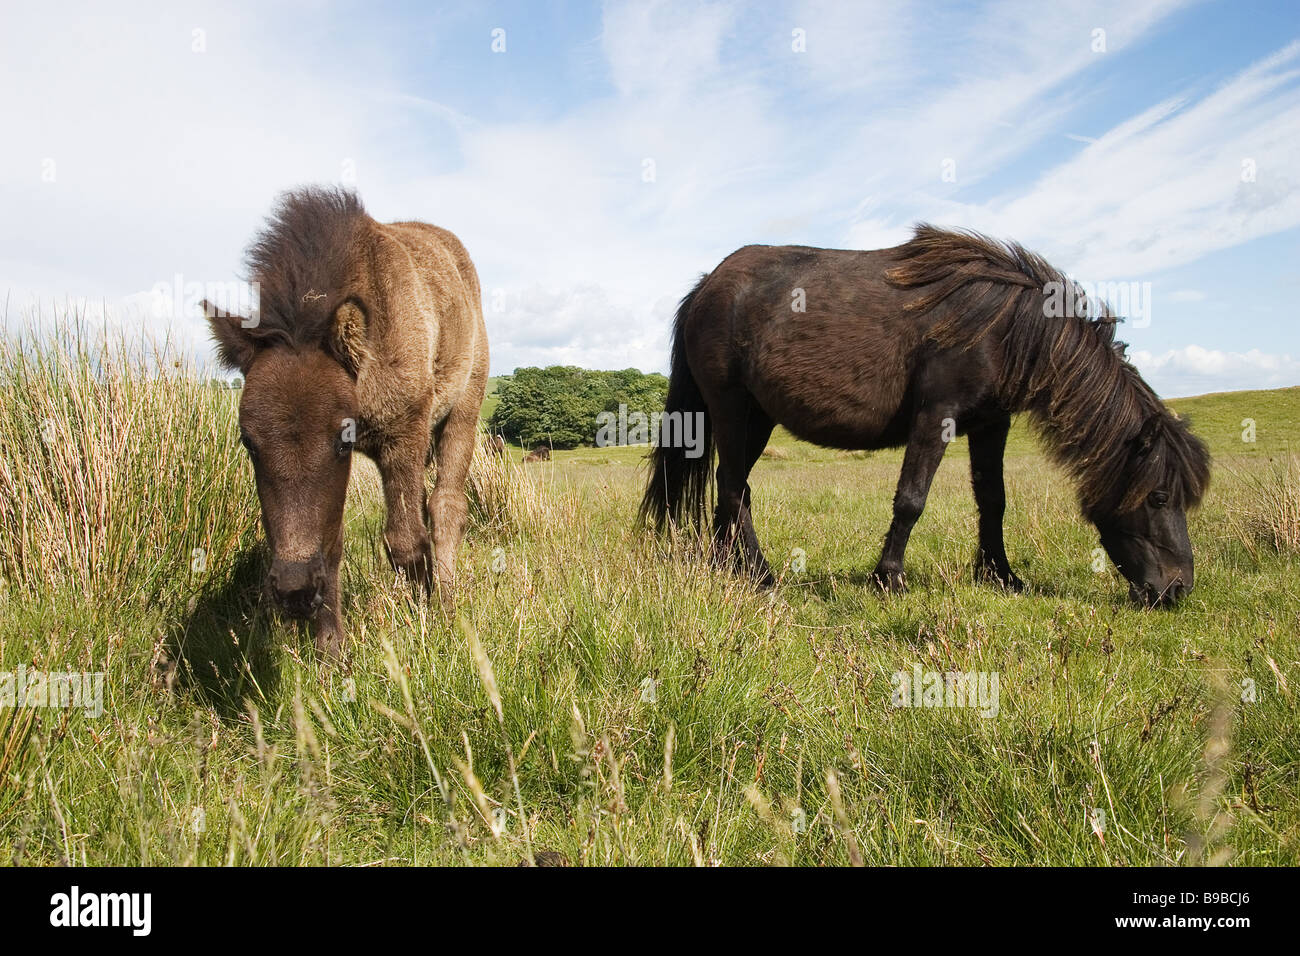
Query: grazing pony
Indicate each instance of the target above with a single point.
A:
(951, 333)
(494, 445)
(368, 337)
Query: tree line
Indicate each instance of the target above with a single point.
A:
(558, 405)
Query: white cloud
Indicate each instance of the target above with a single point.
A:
(167, 159)
(538, 326)
(1193, 370)
(664, 47)
(1171, 184)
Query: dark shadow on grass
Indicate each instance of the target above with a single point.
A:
(921, 581)
(223, 652)
(830, 584)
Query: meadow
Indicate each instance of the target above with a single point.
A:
(603, 695)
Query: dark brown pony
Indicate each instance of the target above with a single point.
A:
(950, 333)
(368, 337)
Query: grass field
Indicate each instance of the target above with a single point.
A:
(600, 698)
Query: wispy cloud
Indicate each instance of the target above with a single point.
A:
(1181, 179)
(1193, 370)
(699, 128)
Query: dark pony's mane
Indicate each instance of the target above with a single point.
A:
(1097, 416)
(299, 261)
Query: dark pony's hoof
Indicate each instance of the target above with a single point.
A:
(756, 569)
(1149, 597)
(889, 580)
(1004, 578)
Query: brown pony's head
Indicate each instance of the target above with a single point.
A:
(1142, 516)
(300, 354)
(298, 420)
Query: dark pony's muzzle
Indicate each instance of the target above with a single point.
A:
(298, 586)
(1153, 595)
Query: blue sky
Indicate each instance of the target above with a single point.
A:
(147, 146)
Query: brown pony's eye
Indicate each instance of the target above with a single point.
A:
(342, 447)
(1158, 499)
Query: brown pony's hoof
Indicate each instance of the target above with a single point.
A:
(545, 858)
(330, 646)
(889, 580)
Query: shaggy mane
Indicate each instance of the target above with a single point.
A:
(1086, 400)
(299, 261)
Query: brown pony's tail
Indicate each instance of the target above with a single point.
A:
(678, 490)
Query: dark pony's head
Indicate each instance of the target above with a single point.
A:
(299, 354)
(1137, 466)
(1141, 509)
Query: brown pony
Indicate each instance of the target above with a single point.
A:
(950, 333)
(368, 337)
(494, 445)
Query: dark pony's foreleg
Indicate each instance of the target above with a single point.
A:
(740, 434)
(988, 442)
(925, 448)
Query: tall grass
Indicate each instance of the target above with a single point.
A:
(122, 470)
(1270, 513)
(588, 697)
(505, 496)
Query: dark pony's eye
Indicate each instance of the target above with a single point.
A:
(1158, 499)
(244, 440)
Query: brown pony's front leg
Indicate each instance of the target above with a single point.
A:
(454, 452)
(331, 640)
(925, 448)
(406, 537)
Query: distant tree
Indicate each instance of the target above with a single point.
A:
(639, 392)
(558, 405)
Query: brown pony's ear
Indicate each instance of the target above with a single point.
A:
(348, 339)
(235, 346)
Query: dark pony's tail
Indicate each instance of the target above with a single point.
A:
(677, 492)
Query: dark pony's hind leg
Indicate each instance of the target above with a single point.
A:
(925, 448)
(988, 442)
(740, 432)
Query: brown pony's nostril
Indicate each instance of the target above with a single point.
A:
(302, 602)
(298, 587)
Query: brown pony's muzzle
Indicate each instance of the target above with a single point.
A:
(298, 586)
